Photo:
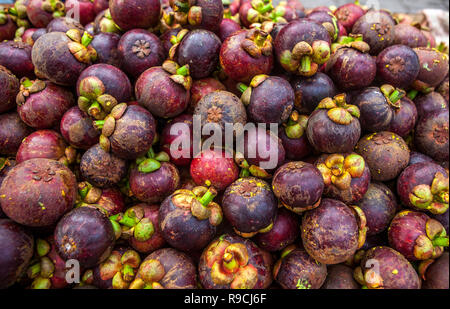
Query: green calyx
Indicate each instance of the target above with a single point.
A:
(151, 162)
(144, 230)
(296, 125)
(434, 197)
(338, 110)
(93, 100)
(393, 95)
(412, 94)
(55, 7)
(351, 41)
(132, 223)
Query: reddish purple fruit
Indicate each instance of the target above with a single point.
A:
(133, 14)
(348, 14)
(386, 154)
(16, 56)
(227, 28)
(76, 230)
(7, 27)
(86, 11)
(140, 50)
(250, 206)
(385, 268)
(110, 200)
(78, 129)
(293, 137)
(12, 131)
(41, 12)
(410, 36)
(433, 69)
(9, 88)
(106, 45)
(340, 277)
(431, 135)
(64, 24)
(16, 245)
(284, 232)
(47, 190)
(404, 118)
(429, 103)
(245, 54)
(424, 186)
(298, 186)
(346, 176)
(41, 104)
(379, 206)
(232, 262)
(202, 87)
(164, 90)
(298, 270)
(397, 65)
(417, 236)
(334, 127)
(417, 157)
(203, 14)
(178, 131)
(436, 275)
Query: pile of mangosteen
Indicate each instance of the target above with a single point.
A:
(101, 106)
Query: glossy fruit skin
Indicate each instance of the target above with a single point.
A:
(111, 201)
(38, 33)
(200, 50)
(47, 189)
(416, 174)
(311, 90)
(41, 144)
(284, 232)
(298, 185)
(37, 16)
(238, 64)
(78, 129)
(64, 24)
(115, 81)
(44, 109)
(379, 205)
(53, 60)
(154, 187)
(212, 15)
(348, 14)
(215, 166)
(8, 30)
(202, 87)
(295, 148)
(271, 101)
(16, 245)
(385, 153)
(9, 88)
(249, 205)
(227, 28)
(299, 270)
(156, 241)
(431, 135)
(75, 232)
(325, 17)
(443, 89)
(340, 277)
(134, 63)
(397, 65)
(138, 120)
(351, 69)
(330, 137)
(387, 260)
(16, 56)
(429, 103)
(376, 111)
(12, 131)
(86, 9)
(166, 36)
(165, 104)
(100, 5)
(404, 119)
(327, 240)
(358, 186)
(258, 258)
(436, 276)
(180, 271)
(417, 157)
(106, 46)
(135, 13)
(101, 168)
(433, 66)
(381, 35)
(410, 36)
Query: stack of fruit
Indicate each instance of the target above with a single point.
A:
(334, 175)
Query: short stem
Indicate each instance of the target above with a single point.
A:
(94, 109)
(305, 64)
(183, 71)
(27, 83)
(412, 94)
(260, 39)
(128, 271)
(244, 173)
(124, 220)
(86, 39)
(440, 241)
(98, 123)
(207, 197)
(150, 153)
(117, 229)
(266, 8)
(242, 87)
(395, 96)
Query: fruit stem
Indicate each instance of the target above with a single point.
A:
(229, 262)
(207, 197)
(151, 153)
(86, 39)
(98, 123)
(117, 229)
(266, 8)
(395, 96)
(143, 231)
(244, 173)
(440, 241)
(128, 271)
(124, 220)
(305, 65)
(242, 87)
(27, 83)
(183, 71)
(94, 110)
(412, 94)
